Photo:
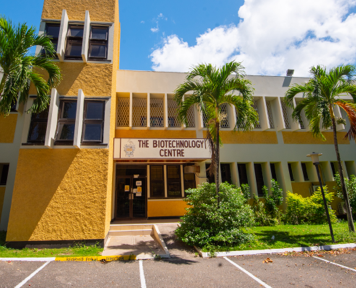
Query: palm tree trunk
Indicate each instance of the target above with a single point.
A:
(342, 180)
(217, 162)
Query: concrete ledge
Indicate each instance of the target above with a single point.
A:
(130, 232)
(275, 251)
(56, 243)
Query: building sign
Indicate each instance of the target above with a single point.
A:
(137, 148)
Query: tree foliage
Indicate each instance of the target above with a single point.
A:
(20, 69)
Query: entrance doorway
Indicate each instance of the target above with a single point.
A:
(131, 192)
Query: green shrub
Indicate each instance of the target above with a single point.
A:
(245, 188)
(207, 225)
(350, 188)
(309, 210)
(262, 218)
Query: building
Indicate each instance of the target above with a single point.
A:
(109, 147)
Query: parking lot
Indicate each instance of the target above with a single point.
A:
(242, 271)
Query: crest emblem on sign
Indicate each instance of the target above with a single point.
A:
(129, 149)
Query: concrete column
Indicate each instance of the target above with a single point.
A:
(86, 35)
(62, 36)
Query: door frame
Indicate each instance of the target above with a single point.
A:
(131, 201)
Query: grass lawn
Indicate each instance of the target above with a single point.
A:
(76, 251)
(289, 236)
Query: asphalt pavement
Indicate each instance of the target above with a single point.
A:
(241, 271)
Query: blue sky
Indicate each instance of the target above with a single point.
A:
(267, 36)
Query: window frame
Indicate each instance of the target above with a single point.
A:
(54, 40)
(74, 39)
(305, 171)
(186, 181)
(62, 120)
(259, 176)
(157, 181)
(98, 42)
(174, 181)
(93, 121)
(40, 120)
(228, 177)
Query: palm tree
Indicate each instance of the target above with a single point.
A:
(321, 94)
(210, 88)
(20, 69)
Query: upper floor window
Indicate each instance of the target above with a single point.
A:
(93, 124)
(74, 42)
(38, 127)
(52, 30)
(66, 122)
(98, 43)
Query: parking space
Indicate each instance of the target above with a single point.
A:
(216, 272)
(289, 271)
(13, 272)
(280, 271)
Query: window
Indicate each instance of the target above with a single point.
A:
(4, 170)
(259, 179)
(273, 171)
(290, 172)
(52, 30)
(211, 178)
(98, 43)
(173, 181)
(242, 173)
(66, 122)
(74, 42)
(225, 173)
(189, 181)
(38, 127)
(305, 172)
(333, 168)
(156, 181)
(93, 124)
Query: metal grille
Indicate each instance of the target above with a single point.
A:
(285, 115)
(139, 112)
(224, 123)
(257, 124)
(270, 114)
(191, 117)
(123, 112)
(172, 113)
(156, 112)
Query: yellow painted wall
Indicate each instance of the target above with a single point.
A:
(7, 128)
(307, 138)
(110, 185)
(59, 194)
(94, 79)
(2, 195)
(250, 137)
(166, 208)
(100, 10)
(155, 133)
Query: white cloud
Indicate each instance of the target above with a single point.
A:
(160, 16)
(271, 37)
(142, 22)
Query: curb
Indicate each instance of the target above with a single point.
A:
(274, 251)
(75, 259)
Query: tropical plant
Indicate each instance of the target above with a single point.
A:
(211, 88)
(350, 188)
(301, 210)
(321, 94)
(20, 69)
(204, 225)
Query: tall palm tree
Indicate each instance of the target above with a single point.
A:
(21, 69)
(210, 88)
(321, 94)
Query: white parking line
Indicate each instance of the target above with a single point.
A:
(142, 275)
(33, 274)
(248, 273)
(342, 266)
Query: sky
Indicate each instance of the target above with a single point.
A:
(267, 36)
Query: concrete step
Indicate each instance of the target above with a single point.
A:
(136, 232)
(129, 227)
